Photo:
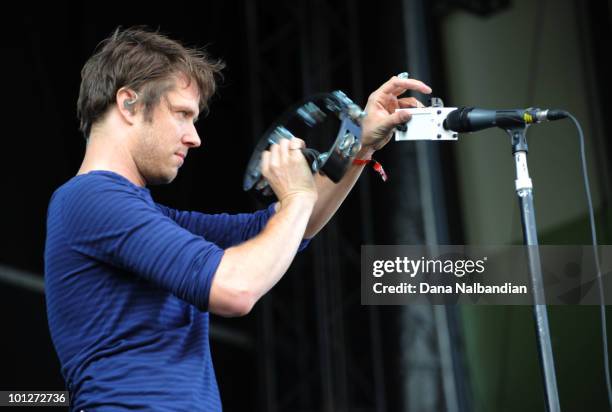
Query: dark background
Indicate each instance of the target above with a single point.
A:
(309, 345)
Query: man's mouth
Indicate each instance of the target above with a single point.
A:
(181, 156)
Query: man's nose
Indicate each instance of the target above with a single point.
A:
(192, 138)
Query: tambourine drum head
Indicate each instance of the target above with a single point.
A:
(315, 120)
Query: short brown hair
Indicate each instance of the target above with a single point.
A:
(146, 62)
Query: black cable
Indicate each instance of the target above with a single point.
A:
(602, 306)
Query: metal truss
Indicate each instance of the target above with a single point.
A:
(313, 330)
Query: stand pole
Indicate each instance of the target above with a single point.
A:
(524, 191)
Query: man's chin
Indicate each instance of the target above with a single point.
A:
(161, 179)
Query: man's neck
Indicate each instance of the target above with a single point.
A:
(109, 152)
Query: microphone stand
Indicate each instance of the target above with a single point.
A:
(524, 191)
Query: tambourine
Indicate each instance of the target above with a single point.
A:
(313, 120)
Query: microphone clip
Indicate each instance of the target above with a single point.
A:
(426, 123)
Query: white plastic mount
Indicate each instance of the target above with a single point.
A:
(426, 124)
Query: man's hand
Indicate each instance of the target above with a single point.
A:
(287, 171)
(381, 118)
(247, 271)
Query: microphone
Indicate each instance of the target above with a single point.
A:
(471, 119)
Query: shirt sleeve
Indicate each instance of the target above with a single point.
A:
(224, 229)
(119, 226)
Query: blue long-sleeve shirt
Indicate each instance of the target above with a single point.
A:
(127, 283)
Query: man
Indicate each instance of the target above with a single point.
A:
(129, 282)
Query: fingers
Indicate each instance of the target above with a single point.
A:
(406, 102)
(397, 86)
(296, 143)
(275, 156)
(265, 163)
(395, 119)
(280, 153)
(386, 96)
(286, 170)
(291, 149)
(284, 150)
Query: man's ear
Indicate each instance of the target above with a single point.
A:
(126, 103)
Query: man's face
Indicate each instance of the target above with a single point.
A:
(161, 145)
